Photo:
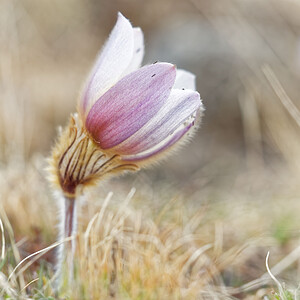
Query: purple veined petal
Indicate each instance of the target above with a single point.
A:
(130, 104)
(163, 146)
(185, 80)
(177, 109)
(110, 64)
(138, 51)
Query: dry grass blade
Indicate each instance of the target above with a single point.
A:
(282, 95)
(42, 251)
(2, 240)
(281, 292)
(282, 265)
(5, 288)
(29, 283)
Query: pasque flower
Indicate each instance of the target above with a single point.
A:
(128, 116)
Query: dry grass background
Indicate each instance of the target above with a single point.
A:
(198, 226)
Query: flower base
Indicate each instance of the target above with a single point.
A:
(78, 161)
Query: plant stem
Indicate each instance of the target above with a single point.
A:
(66, 250)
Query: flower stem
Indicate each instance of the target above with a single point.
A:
(66, 250)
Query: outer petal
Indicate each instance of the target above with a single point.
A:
(185, 80)
(138, 51)
(163, 146)
(130, 104)
(177, 109)
(111, 63)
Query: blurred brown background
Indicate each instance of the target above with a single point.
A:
(247, 135)
(246, 55)
(47, 48)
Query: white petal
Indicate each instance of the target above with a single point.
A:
(163, 146)
(185, 80)
(177, 109)
(111, 63)
(138, 51)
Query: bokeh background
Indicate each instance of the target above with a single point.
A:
(242, 168)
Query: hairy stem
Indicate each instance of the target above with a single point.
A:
(66, 250)
(77, 161)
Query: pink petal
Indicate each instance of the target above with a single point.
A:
(130, 104)
(177, 109)
(138, 52)
(185, 80)
(159, 149)
(111, 63)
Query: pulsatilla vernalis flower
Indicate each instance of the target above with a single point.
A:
(128, 116)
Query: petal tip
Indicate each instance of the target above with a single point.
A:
(122, 20)
(121, 16)
(138, 29)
